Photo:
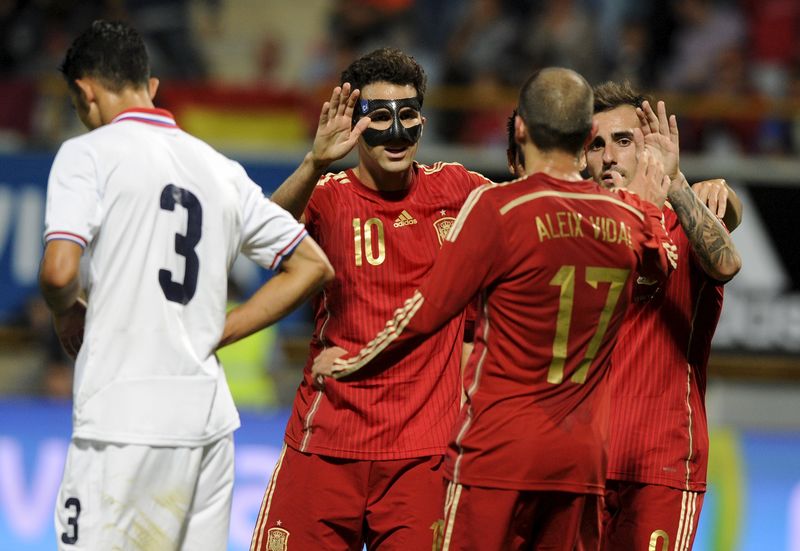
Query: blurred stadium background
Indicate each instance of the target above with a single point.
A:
(249, 77)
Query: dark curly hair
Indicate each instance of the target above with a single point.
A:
(112, 52)
(386, 65)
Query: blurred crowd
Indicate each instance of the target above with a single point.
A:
(731, 67)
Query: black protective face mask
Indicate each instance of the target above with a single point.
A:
(396, 131)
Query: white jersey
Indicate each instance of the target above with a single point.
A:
(162, 216)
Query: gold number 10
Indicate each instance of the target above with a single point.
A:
(565, 278)
(373, 231)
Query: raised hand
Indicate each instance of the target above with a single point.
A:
(336, 135)
(713, 194)
(661, 135)
(649, 180)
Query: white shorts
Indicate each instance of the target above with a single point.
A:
(142, 497)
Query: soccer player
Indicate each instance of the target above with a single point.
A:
(362, 459)
(159, 218)
(553, 257)
(659, 436)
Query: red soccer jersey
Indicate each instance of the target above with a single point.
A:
(658, 380)
(382, 245)
(553, 261)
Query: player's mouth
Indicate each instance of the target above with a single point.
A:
(396, 152)
(607, 178)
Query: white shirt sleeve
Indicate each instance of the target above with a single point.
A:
(73, 209)
(269, 233)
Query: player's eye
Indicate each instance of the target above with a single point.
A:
(380, 115)
(625, 142)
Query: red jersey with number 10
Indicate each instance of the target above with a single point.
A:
(382, 245)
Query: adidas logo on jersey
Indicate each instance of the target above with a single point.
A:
(404, 219)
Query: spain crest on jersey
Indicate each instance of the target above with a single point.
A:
(443, 226)
(277, 539)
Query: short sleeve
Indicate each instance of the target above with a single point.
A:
(73, 209)
(269, 233)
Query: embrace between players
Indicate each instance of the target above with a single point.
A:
(577, 421)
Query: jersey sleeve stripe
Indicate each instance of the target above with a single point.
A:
(288, 249)
(66, 236)
(569, 195)
(394, 328)
(471, 201)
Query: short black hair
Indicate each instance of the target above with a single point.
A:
(386, 65)
(610, 95)
(556, 105)
(112, 52)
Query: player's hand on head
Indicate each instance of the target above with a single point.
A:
(713, 194)
(324, 364)
(336, 135)
(69, 326)
(661, 135)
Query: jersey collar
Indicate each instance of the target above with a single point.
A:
(158, 117)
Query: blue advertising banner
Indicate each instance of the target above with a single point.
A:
(753, 503)
(23, 185)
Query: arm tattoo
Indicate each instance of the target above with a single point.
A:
(711, 243)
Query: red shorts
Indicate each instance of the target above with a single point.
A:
(318, 502)
(646, 516)
(485, 518)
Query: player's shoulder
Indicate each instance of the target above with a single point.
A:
(449, 169)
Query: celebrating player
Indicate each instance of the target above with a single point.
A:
(362, 460)
(159, 217)
(659, 436)
(553, 257)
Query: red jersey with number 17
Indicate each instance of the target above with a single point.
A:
(554, 261)
(382, 245)
(658, 378)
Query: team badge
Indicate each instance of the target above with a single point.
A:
(443, 226)
(276, 539)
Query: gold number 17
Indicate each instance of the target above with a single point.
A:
(565, 278)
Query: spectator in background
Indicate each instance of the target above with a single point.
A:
(705, 29)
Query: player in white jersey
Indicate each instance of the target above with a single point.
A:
(159, 218)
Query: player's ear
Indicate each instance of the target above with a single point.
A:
(591, 135)
(152, 87)
(520, 130)
(86, 90)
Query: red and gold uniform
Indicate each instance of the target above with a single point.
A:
(369, 452)
(554, 263)
(659, 440)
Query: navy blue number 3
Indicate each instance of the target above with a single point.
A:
(66, 537)
(184, 244)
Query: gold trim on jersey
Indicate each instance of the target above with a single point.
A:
(308, 419)
(689, 382)
(393, 329)
(472, 200)
(473, 388)
(266, 503)
(569, 195)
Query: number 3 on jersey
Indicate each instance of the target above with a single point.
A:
(565, 279)
(184, 244)
(373, 236)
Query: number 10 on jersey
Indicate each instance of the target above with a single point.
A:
(367, 238)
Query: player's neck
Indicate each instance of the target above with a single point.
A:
(114, 104)
(374, 177)
(557, 164)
